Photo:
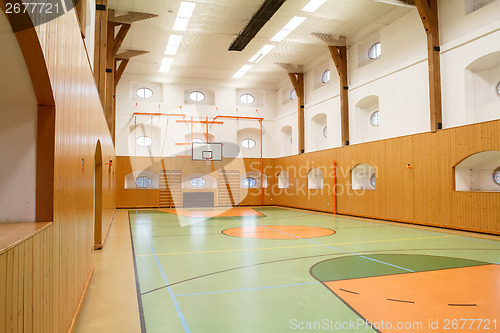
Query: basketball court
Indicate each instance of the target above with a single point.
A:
(268, 269)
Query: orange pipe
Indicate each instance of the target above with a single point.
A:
(261, 168)
(207, 129)
(159, 114)
(334, 187)
(238, 117)
(199, 121)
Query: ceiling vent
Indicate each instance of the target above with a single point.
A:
(258, 20)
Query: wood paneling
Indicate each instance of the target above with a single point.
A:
(45, 276)
(26, 284)
(422, 193)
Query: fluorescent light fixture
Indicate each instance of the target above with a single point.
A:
(166, 63)
(181, 24)
(186, 9)
(280, 35)
(294, 23)
(288, 28)
(183, 15)
(243, 70)
(173, 44)
(261, 53)
(313, 5)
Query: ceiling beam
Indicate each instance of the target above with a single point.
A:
(120, 70)
(338, 51)
(339, 56)
(428, 10)
(120, 37)
(297, 80)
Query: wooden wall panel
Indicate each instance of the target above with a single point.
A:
(26, 285)
(422, 193)
(61, 259)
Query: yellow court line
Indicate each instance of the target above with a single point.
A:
(296, 246)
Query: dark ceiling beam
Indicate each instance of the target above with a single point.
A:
(258, 20)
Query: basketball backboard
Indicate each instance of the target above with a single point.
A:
(207, 151)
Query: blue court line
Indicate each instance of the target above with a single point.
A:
(334, 248)
(172, 296)
(248, 289)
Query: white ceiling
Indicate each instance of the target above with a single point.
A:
(203, 55)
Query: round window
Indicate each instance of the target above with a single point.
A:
(196, 96)
(144, 93)
(375, 51)
(496, 176)
(248, 182)
(143, 182)
(198, 182)
(498, 88)
(325, 131)
(144, 141)
(293, 94)
(247, 99)
(248, 143)
(373, 180)
(326, 76)
(375, 118)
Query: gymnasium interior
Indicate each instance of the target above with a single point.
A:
(250, 166)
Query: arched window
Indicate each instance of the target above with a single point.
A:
(143, 182)
(375, 51)
(496, 176)
(479, 172)
(248, 182)
(197, 96)
(375, 118)
(144, 93)
(325, 78)
(325, 131)
(248, 143)
(315, 179)
(247, 98)
(363, 177)
(293, 94)
(198, 182)
(283, 179)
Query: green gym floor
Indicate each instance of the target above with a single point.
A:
(274, 270)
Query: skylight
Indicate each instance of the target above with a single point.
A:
(261, 53)
(288, 28)
(185, 11)
(313, 5)
(166, 64)
(173, 44)
(243, 70)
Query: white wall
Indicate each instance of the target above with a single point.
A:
(399, 78)
(170, 99)
(18, 129)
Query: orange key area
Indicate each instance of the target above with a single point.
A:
(441, 300)
(278, 232)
